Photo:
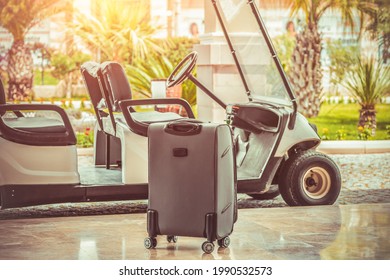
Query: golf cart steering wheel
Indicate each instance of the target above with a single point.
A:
(182, 70)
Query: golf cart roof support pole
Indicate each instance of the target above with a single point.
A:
(248, 91)
(277, 62)
(205, 90)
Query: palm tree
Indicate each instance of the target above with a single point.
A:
(117, 32)
(306, 74)
(18, 17)
(379, 27)
(368, 84)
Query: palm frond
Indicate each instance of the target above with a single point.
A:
(369, 83)
(18, 17)
(119, 32)
(142, 73)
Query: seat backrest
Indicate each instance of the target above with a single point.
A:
(116, 82)
(2, 92)
(4, 101)
(89, 71)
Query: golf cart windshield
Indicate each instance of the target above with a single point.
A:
(254, 55)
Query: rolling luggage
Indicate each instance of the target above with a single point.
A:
(192, 182)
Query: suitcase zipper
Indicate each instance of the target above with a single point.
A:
(225, 152)
(226, 208)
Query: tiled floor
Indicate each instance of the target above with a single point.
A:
(322, 232)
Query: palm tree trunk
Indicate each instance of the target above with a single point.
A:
(386, 48)
(367, 118)
(306, 72)
(20, 72)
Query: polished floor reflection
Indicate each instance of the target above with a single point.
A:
(322, 232)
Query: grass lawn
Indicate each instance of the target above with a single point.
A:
(48, 79)
(343, 118)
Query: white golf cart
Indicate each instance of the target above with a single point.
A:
(275, 145)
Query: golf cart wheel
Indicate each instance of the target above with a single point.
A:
(270, 194)
(310, 178)
(172, 239)
(150, 242)
(208, 247)
(224, 242)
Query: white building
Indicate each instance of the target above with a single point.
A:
(176, 17)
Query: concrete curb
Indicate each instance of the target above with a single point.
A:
(354, 147)
(327, 147)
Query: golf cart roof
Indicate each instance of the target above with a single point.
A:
(257, 63)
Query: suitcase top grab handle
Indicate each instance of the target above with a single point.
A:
(183, 128)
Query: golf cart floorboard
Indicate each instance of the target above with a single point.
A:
(97, 184)
(91, 175)
(103, 184)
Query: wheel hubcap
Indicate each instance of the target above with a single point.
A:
(316, 182)
(226, 242)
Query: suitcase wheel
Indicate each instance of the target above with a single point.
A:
(150, 242)
(172, 238)
(224, 242)
(208, 247)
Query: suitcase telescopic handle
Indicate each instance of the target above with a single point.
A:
(183, 128)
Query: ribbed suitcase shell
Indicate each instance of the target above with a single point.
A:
(184, 189)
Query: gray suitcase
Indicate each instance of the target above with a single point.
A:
(192, 182)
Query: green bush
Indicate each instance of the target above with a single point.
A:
(48, 78)
(284, 45)
(343, 59)
(85, 139)
(178, 47)
(64, 64)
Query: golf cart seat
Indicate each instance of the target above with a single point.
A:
(118, 95)
(37, 131)
(122, 132)
(36, 151)
(112, 101)
(35, 124)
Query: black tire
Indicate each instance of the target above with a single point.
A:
(208, 247)
(172, 239)
(224, 242)
(150, 242)
(310, 178)
(270, 194)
